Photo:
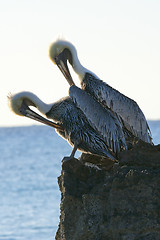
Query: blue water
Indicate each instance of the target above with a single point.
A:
(30, 162)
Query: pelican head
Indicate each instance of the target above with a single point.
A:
(19, 103)
(61, 52)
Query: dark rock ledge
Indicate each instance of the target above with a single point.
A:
(105, 202)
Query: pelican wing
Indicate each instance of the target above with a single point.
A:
(133, 118)
(103, 120)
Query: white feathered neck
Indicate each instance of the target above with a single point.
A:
(15, 102)
(58, 46)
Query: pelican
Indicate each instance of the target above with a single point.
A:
(70, 123)
(61, 52)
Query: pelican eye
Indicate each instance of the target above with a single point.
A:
(56, 59)
(22, 109)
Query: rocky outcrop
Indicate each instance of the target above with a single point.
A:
(101, 200)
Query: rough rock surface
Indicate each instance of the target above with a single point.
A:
(116, 202)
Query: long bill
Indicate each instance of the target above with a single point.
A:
(27, 112)
(62, 64)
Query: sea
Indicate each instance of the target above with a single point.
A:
(30, 163)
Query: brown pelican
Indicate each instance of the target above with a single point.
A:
(71, 124)
(127, 109)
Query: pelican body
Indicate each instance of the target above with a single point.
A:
(103, 120)
(126, 109)
(77, 130)
(70, 122)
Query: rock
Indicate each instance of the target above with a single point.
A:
(115, 201)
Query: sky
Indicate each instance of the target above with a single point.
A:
(117, 40)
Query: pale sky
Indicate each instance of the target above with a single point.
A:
(118, 40)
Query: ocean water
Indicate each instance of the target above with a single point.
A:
(30, 162)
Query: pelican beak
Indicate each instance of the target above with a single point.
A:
(27, 112)
(61, 62)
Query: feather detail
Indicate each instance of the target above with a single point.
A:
(103, 120)
(126, 108)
